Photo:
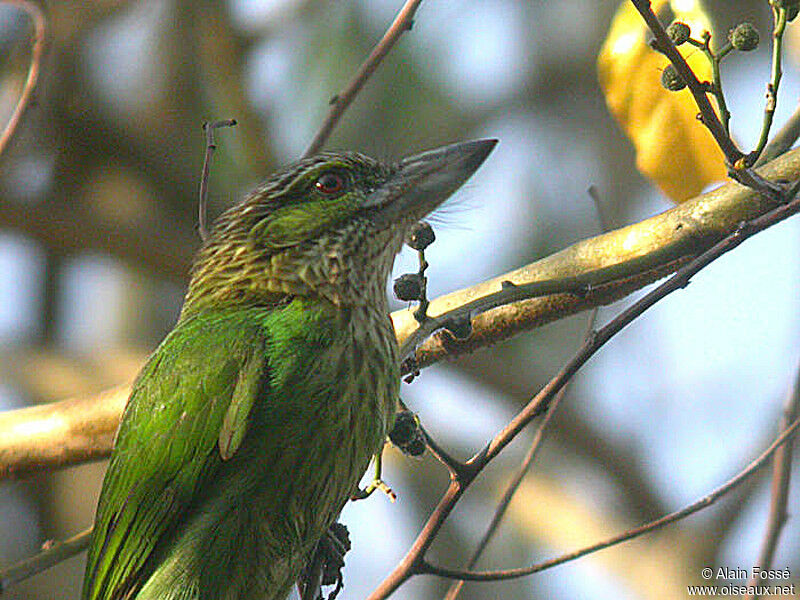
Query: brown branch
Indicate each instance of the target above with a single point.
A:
(402, 23)
(527, 461)
(707, 500)
(37, 438)
(627, 259)
(413, 562)
(516, 481)
(54, 554)
(37, 16)
(582, 435)
(781, 475)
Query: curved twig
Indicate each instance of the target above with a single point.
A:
(781, 475)
(533, 450)
(783, 140)
(780, 17)
(37, 16)
(703, 502)
(339, 103)
(57, 552)
(508, 294)
(209, 128)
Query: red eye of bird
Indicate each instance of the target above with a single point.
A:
(330, 183)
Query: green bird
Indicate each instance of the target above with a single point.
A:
(252, 423)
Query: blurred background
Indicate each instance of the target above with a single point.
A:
(98, 196)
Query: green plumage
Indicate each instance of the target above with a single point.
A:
(252, 423)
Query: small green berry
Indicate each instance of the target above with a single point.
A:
(678, 32)
(408, 287)
(744, 37)
(671, 79)
(421, 236)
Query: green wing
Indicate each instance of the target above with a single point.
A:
(188, 412)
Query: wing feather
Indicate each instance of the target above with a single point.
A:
(188, 411)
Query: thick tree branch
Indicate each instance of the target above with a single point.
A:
(59, 434)
(611, 265)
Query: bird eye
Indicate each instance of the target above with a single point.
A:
(330, 183)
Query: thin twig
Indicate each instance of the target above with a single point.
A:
(414, 561)
(716, 75)
(707, 500)
(527, 461)
(402, 23)
(202, 203)
(698, 90)
(421, 314)
(781, 475)
(55, 553)
(738, 163)
(455, 467)
(780, 17)
(516, 481)
(37, 16)
(783, 140)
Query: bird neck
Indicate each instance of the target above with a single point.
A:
(344, 268)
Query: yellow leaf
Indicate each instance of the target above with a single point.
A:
(673, 148)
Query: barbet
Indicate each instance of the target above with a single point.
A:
(250, 426)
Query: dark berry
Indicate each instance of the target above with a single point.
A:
(421, 236)
(408, 287)
(671, 79)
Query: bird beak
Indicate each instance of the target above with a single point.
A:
(420, 183)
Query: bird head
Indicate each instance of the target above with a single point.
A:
(327, 226)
